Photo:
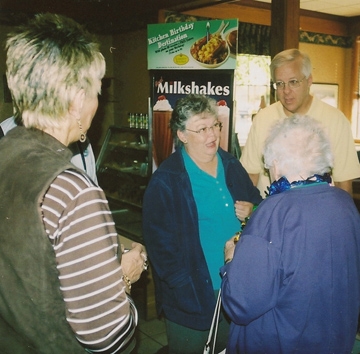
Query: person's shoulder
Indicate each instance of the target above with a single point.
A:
(229, 159)
(327, 108)
(165, 177)
(172, 164)
(274, 107)
(331, 117)
(231, 163)
(170, 174)
(269, 113)
(225, 155)
(76, 178)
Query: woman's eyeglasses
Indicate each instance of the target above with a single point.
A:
(216, 127)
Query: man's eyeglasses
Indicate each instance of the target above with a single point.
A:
(216, 127)
(294, 83)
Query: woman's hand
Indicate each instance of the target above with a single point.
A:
(134, 262)
(230, 248)
(243, 209)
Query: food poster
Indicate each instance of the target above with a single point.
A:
(170, 85)
(198, 45)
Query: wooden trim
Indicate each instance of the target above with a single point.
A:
(284, 25)
(260, 13)
(322, 25)
(354, 25)
(161, 16)
(259, 16)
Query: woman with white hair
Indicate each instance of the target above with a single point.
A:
(293, 281)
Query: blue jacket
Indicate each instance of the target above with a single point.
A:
(293, 285)
(183, 288)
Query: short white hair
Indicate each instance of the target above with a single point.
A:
(300, 146)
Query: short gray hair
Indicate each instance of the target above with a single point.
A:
(299, 145)
(288, 56)
(188, 107)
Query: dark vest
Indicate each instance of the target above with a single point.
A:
(32, 311)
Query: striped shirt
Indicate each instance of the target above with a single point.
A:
(80, 227)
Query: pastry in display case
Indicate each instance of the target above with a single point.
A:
(123, 170)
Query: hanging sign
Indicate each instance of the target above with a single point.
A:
(199, 45)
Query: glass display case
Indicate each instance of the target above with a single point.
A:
(124, 168)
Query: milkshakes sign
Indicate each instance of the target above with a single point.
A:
(198, 45)
(181, 88)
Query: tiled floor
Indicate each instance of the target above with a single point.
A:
(151, 338)
(356, 349)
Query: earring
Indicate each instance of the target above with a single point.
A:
(82, 135)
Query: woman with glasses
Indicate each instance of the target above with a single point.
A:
(192, 205)
(291, 75)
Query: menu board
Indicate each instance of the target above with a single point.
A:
(198, 45)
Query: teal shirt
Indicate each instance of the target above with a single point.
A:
(216, 211)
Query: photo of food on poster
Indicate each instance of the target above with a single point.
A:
(199, 45)
(169, 86)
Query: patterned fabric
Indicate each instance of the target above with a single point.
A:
(80, 227)
(34, 318)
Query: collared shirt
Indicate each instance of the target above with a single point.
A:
(217, 219)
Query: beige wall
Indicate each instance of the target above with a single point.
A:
(332, 65)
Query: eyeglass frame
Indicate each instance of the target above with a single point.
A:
(295, 82)
(206, 130)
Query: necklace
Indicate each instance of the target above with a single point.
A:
(283, 184)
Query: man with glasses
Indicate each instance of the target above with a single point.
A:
(291, 75)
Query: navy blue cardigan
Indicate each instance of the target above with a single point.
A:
(183, 287)
(293, 285)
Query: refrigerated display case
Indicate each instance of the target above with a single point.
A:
(124, 168)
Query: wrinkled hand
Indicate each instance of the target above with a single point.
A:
(243, 209)
(230, 248)
(134, 262)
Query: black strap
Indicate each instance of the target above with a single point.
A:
(82, 154)
(1, 133)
